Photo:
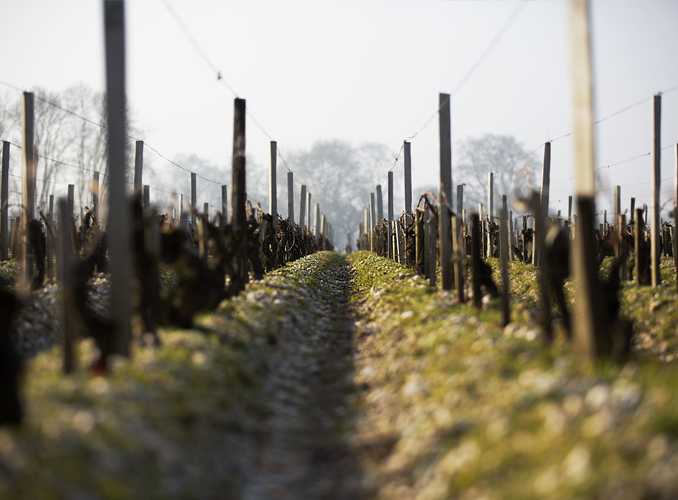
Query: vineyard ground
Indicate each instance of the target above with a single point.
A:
(350, 377)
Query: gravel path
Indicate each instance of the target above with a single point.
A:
(303, 455)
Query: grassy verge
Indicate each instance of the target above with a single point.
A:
(172, 422)
(454, 406)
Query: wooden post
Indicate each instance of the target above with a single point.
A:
(546, 180)
(95, 195)
(585, 268)
(504, 247)
(408, 177)
(316, 230)
(380, 205)
(302, 206)
(28, 191)
(194, 197)
(239, 198)
(569, 209)
(119, 240)
(445, 192)
(4, 203)
(390, 215)
(401, 244)
(510, 236)
(373, 217)
(460, 199)
(621, 229)
(323, 228)
(430, 249)
(458, 252)
(490, 211)
(638, 233)
(656, 185)
(71, 201)
(273, 185)
(224, 203)
(290, 196)
(65, 270)
(147, 196)
(475, 258)
(308, 208)
(539, 247)
(675, 212)
(139, 166)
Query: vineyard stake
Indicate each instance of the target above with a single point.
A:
(380, 205)
(273, 185)
(4, 203)
(316, 217)
(147, 196)
(138, 166)
(460, 199)
(445, 194)
(675, 212)
(540, 237)
(65, 277)
(490, 211)
(584, 263)
(224, 203)
(638, 231)
(119, 212)
(239, 198)
(475, 258)
(28, 191)
(656, 184)
(194, 198)
(290, 196)
(457, 252)
(569, 209)
(308, 205)
(408, 177)
(302, 206)
(95, 195)
(372, 217)
(504, 244)
(390, 215)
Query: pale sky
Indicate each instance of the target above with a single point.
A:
(367, 71)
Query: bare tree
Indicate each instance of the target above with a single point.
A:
(513, 167)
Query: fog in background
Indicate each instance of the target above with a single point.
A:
(340, 84)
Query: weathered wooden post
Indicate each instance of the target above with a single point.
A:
(380, 205)
(408, 177)
(476, 241)
(490, 211)
(224, 203)
(373, 220)
(569, 209)
(273, 185)
(458, 253)
(656, 184)
(95, 195)
(674, 235)
(147, 196)
(585, 268)
(638, 233)
(4, 203)
(316, 228)
(239, 198)
(302, 206)
(138, 166)
(194, 198)
(51, 235)
(460, 199)
(539, 247)
(65, 278)
(119, 213)
(621, 229)
(290, 196)
(390, 215)
(308, 205)
(503, 251)
(28, 191)
(445, 193)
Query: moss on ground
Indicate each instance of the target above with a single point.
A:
(172, 422)
(454, 406)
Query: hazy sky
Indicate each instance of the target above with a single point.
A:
(367, 71)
